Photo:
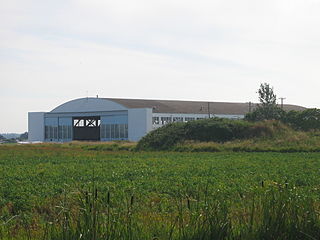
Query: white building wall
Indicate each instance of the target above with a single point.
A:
(36, 126)
(139, 123)
(184, 117)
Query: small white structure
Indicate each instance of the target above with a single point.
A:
(107, 119)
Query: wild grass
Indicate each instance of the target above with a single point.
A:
(291, 141)
(58, 191)
(273, 213)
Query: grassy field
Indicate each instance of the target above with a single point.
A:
(63, 191)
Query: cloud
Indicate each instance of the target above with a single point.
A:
(53, 51)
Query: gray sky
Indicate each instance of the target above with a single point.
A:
(218, 50)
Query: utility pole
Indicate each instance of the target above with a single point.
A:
(209, 109)
(282, 98)
(250, 107)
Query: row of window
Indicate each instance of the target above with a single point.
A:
(108, 131)
(114, 131)
(165, 120)
(55, 132)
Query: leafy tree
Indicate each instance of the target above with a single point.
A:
(267, 109)
(2, 137)
(266, 95)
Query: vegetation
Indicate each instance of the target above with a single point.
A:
(13, 137)
(23, 136)
(83, 191)
(306, 120)
(210, 130)
(268, 108)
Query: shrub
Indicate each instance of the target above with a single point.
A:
(306, 120)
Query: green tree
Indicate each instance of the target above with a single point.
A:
(267, 97)
(267, 109)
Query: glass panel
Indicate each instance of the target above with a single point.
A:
(108, 131)
(55, 130)
(112, 131)
(50, 132)
(177, 119)
(102, 131)
(122, 130)
(165, 120)
(45, 132)
(69, 132)
(187, 119)
(126, 131)
(116, 131)
(155, 120)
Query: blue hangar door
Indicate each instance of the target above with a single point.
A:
(86, 128)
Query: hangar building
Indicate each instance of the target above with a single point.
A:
(107, 119)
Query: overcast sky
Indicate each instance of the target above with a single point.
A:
(217, 50)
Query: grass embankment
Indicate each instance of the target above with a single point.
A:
(217, 135)
(63, 191)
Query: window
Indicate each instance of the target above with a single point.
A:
(125, 130)
(86, 122)
(187, 119)
(165, 120)
(155, 120)
(122, 129)
(64, 132)
(51, 132)
(78, 122)
(114, 131)
(177, 119)
(108, 130)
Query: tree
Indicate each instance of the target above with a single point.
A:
(23, 136)
(267, 97)
(267, 109)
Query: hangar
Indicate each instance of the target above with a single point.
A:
(108, 119)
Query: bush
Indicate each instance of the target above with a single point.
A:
(306, 120)
(265, 113)
(163, 138)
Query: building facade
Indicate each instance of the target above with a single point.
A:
(108, 119)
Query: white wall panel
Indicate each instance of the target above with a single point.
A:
(36, 126)
(139, 123)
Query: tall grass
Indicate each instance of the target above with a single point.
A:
(272, 212)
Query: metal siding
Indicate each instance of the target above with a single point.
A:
(115, 119)
(65, 121)
(36, 126)
(51, 121)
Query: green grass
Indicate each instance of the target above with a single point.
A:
(62, 191)
(292, 141)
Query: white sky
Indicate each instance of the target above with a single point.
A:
(218, 50)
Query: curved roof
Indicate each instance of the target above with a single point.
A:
(193, 107)
(89, 105)
(158, 106)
